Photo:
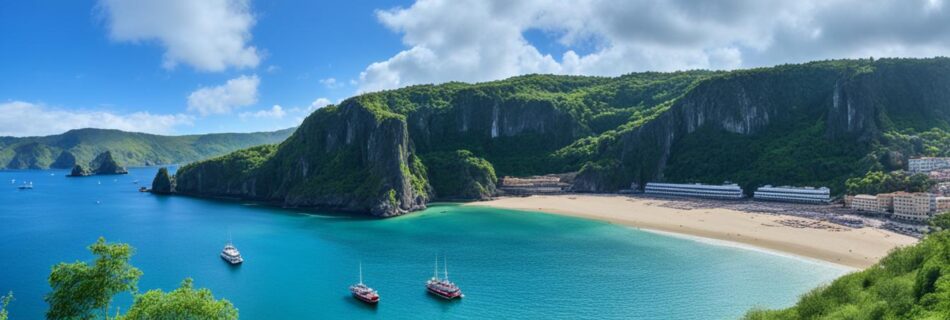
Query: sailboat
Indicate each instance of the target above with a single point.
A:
(442, 287)
(231, 253)
(363, 292)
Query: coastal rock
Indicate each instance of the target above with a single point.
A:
(352, 157)
(163, 182)
(105, 164)
(79, 171)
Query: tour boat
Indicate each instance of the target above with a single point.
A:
(363, 292)
(442, 287)
(231, 253)
(26, 185)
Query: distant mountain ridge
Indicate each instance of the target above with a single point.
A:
(80, 146)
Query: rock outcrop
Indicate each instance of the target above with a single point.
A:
(79, 171)
(103, 164)
(163, 182)
(355, 157)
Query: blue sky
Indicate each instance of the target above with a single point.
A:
(183, 66)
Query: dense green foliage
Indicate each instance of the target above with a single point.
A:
(875, 182)
(4, 302)
(182, 303)
(83, 291)
(460, 175)
(910, 283)
(130, 148)
(940, 222)
(80, 291)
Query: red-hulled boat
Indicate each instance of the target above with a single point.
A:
(363, 292)
(442, 287)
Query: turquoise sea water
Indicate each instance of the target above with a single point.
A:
(512, 265)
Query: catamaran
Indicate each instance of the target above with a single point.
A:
(363, 292)
(442, 287)
(231, 253)
(26, 185)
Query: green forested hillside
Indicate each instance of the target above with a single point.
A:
(816, 124)
(129, 148)
(910, 283)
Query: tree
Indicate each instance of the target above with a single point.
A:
(182, 303)
(4, 302)
(79, 290)
(941, 222)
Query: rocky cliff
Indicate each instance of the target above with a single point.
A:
(390, 152)
(354, 157)
(163, 182)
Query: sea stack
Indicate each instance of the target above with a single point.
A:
(105, 164)
(163, 183)
(79, 171)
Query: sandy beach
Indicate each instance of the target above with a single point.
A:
(857, 248)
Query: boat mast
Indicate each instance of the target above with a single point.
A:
(361, 272)
(435, 274)
(446, 269)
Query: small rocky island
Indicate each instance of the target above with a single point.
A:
(163, 182)
(103, 164)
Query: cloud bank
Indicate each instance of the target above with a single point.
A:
(479, 40)
(236, 93)
(209, 35)
(19, 118)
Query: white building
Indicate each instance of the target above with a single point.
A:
(927, 164)
(727, 191)
(865, 202)
(913, 206)
(793, 194)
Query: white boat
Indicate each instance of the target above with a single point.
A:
(442, 287)
(363, 292)
(231, 253)
(26, 186)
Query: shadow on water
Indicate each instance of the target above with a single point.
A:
(444, 304)
(360, 304)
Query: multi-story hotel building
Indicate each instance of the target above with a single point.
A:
(886, 202)
(727, 191)
(865, 202)
(912, 206)
(927, 164)
(793, 194)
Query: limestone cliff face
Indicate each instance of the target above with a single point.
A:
(354, 157)
(484, 118)
(855, 105)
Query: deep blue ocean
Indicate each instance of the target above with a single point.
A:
(510, 265)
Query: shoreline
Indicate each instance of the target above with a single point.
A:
(781, 233)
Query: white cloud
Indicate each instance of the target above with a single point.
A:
(331, 83)
(210, 35)
(275, 112)
(237, 92)
(18, 118)
(319, 103)
(475, 40)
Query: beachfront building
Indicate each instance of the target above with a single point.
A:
(927, 164)
(912, 206)
(726, 191)
(865, 202)
(939, 205)
(886, 202)
(793, 194)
